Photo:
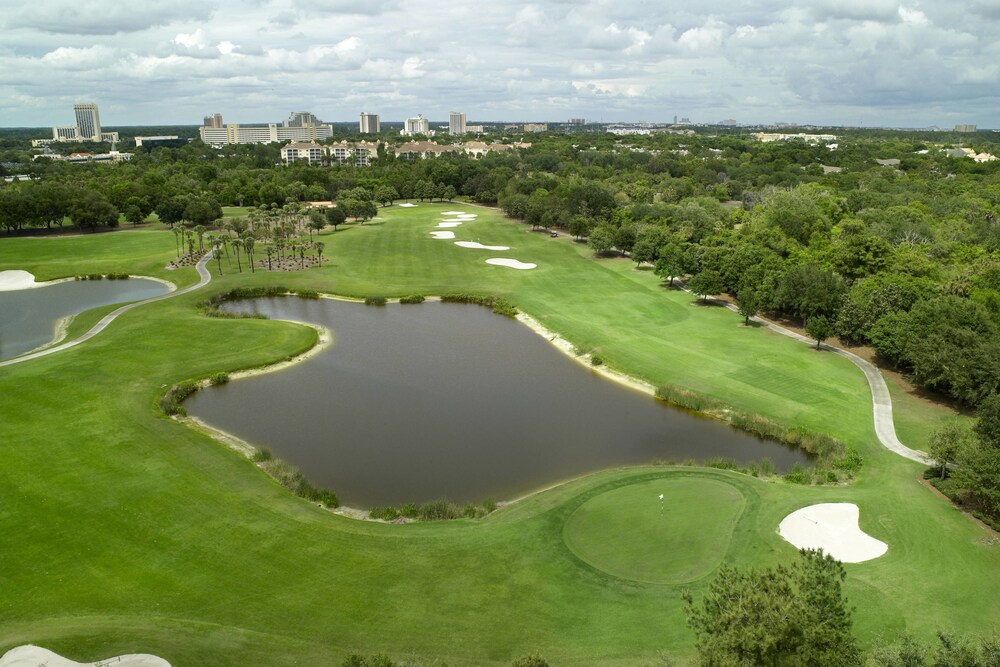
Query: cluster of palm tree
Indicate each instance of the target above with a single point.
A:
(282, 241)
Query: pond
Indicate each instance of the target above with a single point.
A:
(28, 317)
(417, 402)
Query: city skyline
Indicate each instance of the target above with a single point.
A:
(909, 63)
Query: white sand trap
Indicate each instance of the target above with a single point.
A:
(407, 205)
(443, 235)
(33, 656)
(449, 223)
(480, 246)
(467, 216)
(832, 527)
(512, 263)
(454, 213)
(15, 280)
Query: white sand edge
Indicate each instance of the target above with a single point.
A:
(511, 263)
(443, 235)
(407, 205)
(832, 527)
(454, 213)
(480, 246)
(449, 225)
(35, 656)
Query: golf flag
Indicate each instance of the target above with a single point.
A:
(661, 497)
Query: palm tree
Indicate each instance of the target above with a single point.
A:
(319, 250)
(248, 243)
(200, 231)
(178, 232)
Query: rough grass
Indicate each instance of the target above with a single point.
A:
(127, 531)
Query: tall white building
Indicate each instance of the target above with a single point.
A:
(302, 119)
(456, 122)
(87, 128)
(88, 121)
(418, 125)
(369, 123)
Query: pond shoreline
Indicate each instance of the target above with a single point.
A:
(325, 340)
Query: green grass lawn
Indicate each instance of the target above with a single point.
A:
(125, 531)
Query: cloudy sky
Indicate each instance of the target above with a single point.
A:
(842, 62)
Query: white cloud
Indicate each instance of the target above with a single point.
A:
(193, 40)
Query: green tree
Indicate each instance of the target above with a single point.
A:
(673, 260)
(947, 444)
(793, 615)
(705, 283)
(335, 216)
(749, 300)
(386, 194)
(601, 239)
(819, 329)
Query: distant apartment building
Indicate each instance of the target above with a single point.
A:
(302, 119)
(303, 152)
(577, 121)
(87, 128)
(766, 137)
(164, 139)
(369, 123)
(475, 129)
(359, 154)
(417, 125)
(456, 122)
(214, 121)
(234, 133)
(536, 127)
(418, 150)
(965, 127)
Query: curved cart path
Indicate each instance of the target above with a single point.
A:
(885, 428)
(205, 277)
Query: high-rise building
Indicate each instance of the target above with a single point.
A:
(965, 127)
(456, 122)
(214, 121)
(88, 121)
(418, 125)
(369, 123)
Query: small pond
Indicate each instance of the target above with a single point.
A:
(28, 317)
(416, 402)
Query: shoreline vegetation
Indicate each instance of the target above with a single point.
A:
(834, 463)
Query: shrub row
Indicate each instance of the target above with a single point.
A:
(415, 298)
(171, 401)
(292, 479)
(833, 459)
(117, 275)
(375, 300)
(434, 510)
(762, 468)
(499, 305)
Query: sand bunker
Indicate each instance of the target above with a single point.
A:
(450, 223)
(832, 527)
(443, 235)
(33, 656)
(480, 246)
(512, 263)
(407, 205)
(454, 213)
(15, 280)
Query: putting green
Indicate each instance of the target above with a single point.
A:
(627, 532)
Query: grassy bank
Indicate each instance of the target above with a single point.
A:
(130, 532)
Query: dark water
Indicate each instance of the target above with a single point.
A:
(416, 402)
(28, 317)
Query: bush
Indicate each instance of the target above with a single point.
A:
(499, 305)
(533, 660)
(797, 475)
(596, 359)
(262, 454)
(852, 462)
(384, 513)
(307, 293)
(410, 511)
(170, 402)
(416, 298)
(490, 505)
(293, 480)
(218, 378)
(438, 510)
(375, 300)
(378, 660)
(118, 275)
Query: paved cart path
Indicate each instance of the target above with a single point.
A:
(205, 277)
